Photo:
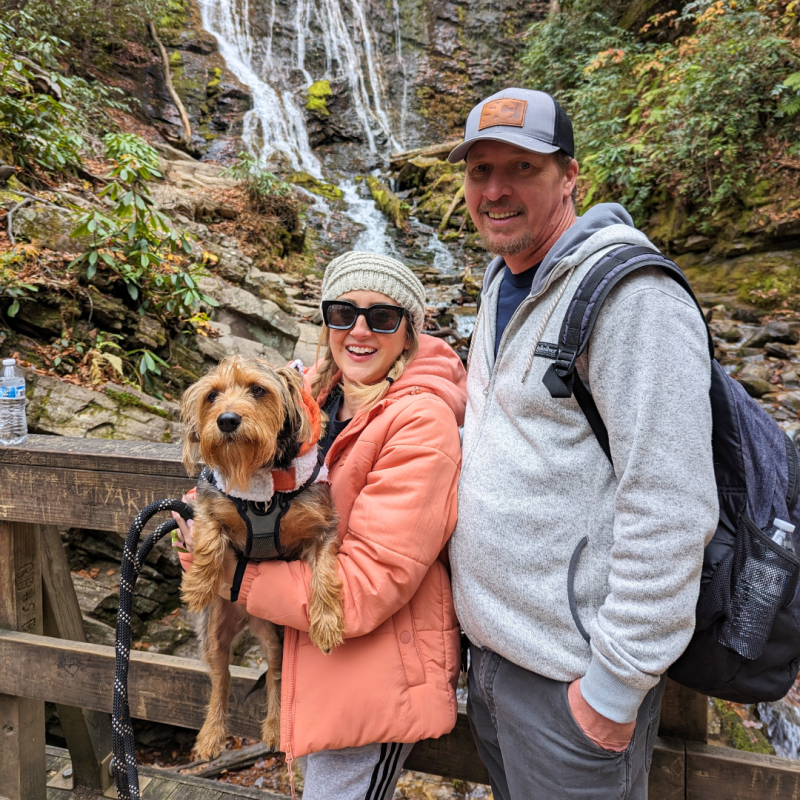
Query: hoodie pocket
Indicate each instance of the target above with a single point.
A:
(573, 603)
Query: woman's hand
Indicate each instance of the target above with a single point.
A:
(604, 732)
(185, 538)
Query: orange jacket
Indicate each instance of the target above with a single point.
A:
(393, 472)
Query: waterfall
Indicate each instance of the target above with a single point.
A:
(276, 123)
(402, 63)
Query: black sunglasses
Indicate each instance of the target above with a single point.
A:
(341, 315)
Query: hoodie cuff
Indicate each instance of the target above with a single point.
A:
(609, 696)
(250, 573)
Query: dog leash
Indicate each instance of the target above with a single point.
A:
(126, 773)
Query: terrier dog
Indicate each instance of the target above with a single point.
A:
(257, 429)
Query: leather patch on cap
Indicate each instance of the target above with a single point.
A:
(506, 111)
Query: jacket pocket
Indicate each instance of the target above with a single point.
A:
(408, 646)
(573, 603)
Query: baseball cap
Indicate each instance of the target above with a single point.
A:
(526, 118)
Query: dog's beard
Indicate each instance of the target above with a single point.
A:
(236, 459)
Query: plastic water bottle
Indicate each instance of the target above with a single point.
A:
(781, 533)
(13, 425)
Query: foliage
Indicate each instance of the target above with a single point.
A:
(693, 119)
(135, 242)
(267, 192)
(14, 285)
(97, 27)
(45, 115)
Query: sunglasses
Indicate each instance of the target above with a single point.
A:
(341, 315)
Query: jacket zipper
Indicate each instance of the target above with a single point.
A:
(487, 389)
(293, 637)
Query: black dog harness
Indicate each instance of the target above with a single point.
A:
(263, 521)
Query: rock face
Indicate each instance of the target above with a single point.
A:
(46, 227)
(60, 408)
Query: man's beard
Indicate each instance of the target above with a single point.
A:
(507, 248)
(502, 246)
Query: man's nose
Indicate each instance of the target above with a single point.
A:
(497, 186)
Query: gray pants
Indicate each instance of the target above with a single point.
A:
(532, 746)
(354, 773)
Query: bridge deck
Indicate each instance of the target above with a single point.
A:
(162, 785)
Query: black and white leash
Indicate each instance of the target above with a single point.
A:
(125, 771)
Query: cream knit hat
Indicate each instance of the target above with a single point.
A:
(358, 271)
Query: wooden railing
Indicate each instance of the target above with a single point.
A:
(44, 656)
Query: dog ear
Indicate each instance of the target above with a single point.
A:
(190, 419)
(298, 421)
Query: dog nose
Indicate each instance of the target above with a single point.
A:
(228, 422)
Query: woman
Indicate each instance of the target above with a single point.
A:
(395, 399)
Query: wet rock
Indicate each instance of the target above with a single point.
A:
(790, 379)
(772, 332)
(727, 331)
(754, 379)
(777, 351)
(791, 400)
(60, 408)
(38, 319)
(46, 227)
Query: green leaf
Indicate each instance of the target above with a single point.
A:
(13, 309)
(133, 291)
(151, 364)
(793, 81)
(93, 257)
(92, 269)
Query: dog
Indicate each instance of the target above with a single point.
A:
(256, 428)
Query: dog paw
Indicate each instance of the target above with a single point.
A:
(327, 632)
(210, 743)
(271, 733)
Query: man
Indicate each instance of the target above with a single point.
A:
(555, 716)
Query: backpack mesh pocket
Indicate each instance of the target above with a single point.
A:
(763, 576)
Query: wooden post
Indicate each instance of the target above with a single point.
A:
(22, 754)
(88, 733)
(684, 714)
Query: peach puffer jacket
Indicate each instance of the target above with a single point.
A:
(393, 473)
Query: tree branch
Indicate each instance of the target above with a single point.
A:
(187, 128)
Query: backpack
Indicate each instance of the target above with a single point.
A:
(746, 644)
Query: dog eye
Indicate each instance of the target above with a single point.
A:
(257, 391)
(212, 396)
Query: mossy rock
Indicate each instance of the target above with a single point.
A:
(751, 740)
(389, 203)
(315, 185)
(318, 94)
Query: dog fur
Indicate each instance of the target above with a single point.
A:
(272, 430)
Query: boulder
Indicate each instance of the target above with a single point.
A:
(727, 331)
(258, 319)
(121, 412)
(306, 347)
(227, 344)
(46, 227)
(772, 332)
(791, 400)
(777, 350)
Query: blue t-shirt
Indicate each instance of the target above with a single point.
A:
(513, 290)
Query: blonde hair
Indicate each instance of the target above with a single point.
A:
(364, 395)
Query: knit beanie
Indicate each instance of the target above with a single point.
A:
(358, 271)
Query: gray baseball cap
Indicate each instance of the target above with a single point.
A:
(523, 117)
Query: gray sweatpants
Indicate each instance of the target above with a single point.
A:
(532, 746)
(369, 772)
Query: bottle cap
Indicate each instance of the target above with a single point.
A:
(9, 362)
(783, 525)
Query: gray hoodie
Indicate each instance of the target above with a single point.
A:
(534, 480)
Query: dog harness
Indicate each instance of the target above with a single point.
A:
(266, 500)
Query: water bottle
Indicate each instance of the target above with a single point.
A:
(13, 425)
(781, 533)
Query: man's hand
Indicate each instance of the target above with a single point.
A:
(602, 731)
